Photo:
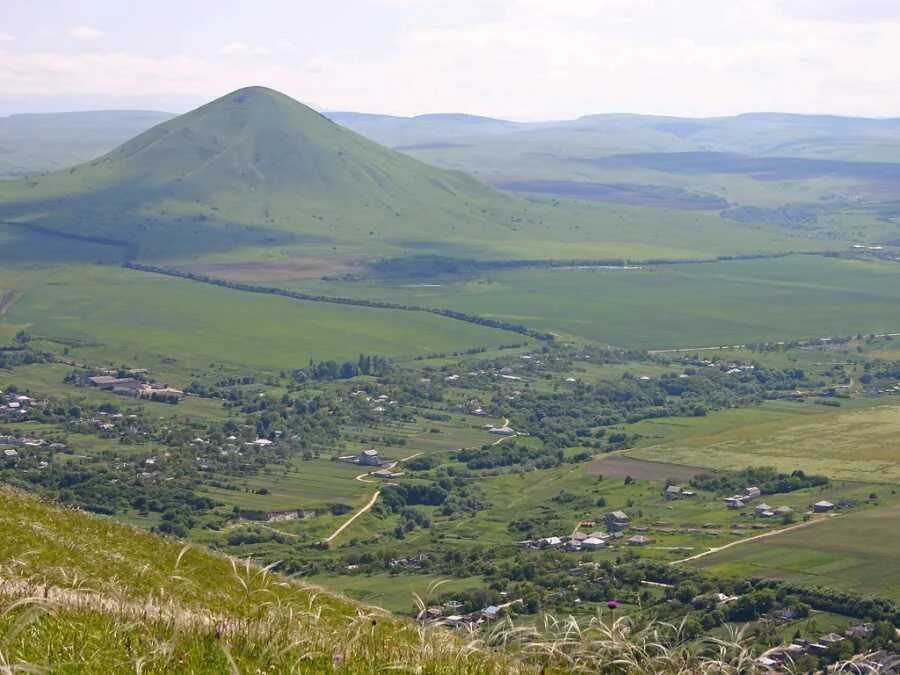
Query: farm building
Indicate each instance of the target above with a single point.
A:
(823, 506)
(617, 520)
(593, 543)
(639, 540)
(369, 457)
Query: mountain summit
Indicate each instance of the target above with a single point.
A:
(252, 167)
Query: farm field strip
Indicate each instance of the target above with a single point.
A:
(857, 551)
(849, 444)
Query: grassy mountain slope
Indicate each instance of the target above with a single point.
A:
(256, 174)
(31, 143)
(252, 167)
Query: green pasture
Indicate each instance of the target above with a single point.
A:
(297, 485)
(857, 552)
(854, 443)
(178, 328)
(689, 305)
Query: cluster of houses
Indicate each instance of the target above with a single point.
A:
(777, 659)
(616, 522)
(12, 446)
(764, 510)
(378, 403)
(133, 385)
(14, 406)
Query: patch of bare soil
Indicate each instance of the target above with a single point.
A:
(619, 466)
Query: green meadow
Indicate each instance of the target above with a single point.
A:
(299, 484)
(857, 552)
(688, 305)
(855, 443)
(176, 327)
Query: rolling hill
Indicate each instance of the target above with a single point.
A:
(35, 142)
(251, 168)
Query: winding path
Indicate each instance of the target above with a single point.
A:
(356, 515)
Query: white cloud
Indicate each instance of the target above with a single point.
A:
(85, 33)
(6, 37)
(528, 59)
(244, 49)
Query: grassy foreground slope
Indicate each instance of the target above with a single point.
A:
(80, 594)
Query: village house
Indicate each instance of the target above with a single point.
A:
(823, 506)
(673, 492)
(639, 540)
(502, 431)
(616, 521)
(369, 457)
(764, 510)
(734, 502)
(593, 543)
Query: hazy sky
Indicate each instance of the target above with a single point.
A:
(522, 59)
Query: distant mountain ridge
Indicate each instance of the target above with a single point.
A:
(34, 142)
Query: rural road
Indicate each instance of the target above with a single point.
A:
(764, 535)
(356, 515)
(362, 479)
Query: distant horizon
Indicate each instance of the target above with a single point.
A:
(7, 111)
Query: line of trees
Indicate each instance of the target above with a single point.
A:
(378, 304)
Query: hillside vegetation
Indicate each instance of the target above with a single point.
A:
(80, 594)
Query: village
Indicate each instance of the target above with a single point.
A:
(617, 522)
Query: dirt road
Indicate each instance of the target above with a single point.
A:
(356, 515)
(748, 540)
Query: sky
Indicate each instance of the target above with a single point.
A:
(517, 59)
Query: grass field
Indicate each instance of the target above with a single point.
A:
(852, 444)
(175, 327)
(300, 484)
(857, 552)
(689, 305)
